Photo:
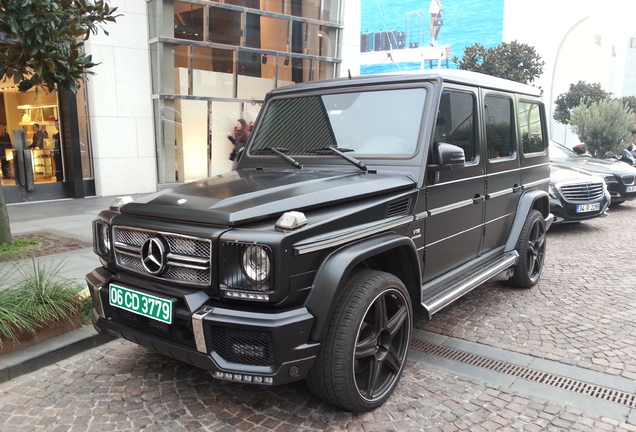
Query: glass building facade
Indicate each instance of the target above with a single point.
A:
(214, 61)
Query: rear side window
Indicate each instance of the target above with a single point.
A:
(530, 128)
(456, 121)
(499, 127)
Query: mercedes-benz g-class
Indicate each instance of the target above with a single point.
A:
(354, 202)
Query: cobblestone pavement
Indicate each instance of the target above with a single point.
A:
(581, 314)
(583, 310)
(119, 386)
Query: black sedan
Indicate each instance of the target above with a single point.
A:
(575, 195)
(619, 177)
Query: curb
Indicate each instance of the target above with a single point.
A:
(43, 354)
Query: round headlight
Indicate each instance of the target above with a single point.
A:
(256, 263)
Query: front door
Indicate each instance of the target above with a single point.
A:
(33, 171)
(455, 198)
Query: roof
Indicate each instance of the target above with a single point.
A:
(446, 75)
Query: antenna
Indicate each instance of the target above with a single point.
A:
(349, 73)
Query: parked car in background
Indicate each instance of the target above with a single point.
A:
(619, 177)
(576, 195)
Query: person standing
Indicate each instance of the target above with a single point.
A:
(5, 144)
(38, 137)
(238, 138)
(57, 154)
(435, 9)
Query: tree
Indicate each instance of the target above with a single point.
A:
(603, 126)
(42, 40)
(41, 44)
(629, 102)
(511, 60)
(581, 92)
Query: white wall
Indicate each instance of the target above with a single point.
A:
(120, 104)
(350, 49)
(578, 40)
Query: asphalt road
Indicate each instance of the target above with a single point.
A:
(560, 356)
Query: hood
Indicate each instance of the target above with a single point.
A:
(565, 174)
(594, 165)
(239, 197)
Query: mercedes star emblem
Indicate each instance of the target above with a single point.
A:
(153, 255)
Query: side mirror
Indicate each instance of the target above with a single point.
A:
(447, 156)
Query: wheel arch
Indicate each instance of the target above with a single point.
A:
(531, 200)
(388, 252)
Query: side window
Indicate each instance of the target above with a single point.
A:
(456, 121)
(499, 127)
(530, 127)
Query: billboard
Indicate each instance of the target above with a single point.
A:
(398, 35)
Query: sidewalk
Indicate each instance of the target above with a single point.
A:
(68, 218)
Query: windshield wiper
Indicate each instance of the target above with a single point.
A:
(279, 152)
(329, 150)
(340, 152)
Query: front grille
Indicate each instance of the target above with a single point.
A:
(250, 347)
(628, 180)
(582, 192)
(179, 332)
(187, 259)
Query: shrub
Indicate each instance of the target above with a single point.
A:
(38, 296)
(604, 126)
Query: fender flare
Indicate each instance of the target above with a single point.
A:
(533, 199)
(336, 268)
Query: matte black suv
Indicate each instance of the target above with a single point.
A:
(355, 201)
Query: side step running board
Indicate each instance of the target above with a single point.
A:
(438, 295)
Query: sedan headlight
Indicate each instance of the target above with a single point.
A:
(609, 177)
(256, 263)
(552, 192)
(102, 241)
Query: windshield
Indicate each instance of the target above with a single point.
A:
(559, 151)
(366, 123)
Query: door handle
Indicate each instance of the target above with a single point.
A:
(517, 188)
(478, 198)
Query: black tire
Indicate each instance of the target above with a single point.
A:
(364, 352)
(531, 248)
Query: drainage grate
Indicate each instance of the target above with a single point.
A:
(534, 375)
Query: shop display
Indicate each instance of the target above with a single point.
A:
(37, 114)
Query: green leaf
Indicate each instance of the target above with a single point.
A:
(49, 35)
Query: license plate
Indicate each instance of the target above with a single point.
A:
(583, 208)
(631, 189)
(142, 304)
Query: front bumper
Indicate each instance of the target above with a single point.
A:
(236, 345)
(565, 212)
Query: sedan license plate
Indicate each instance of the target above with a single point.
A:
(631, 189)
(141, 304)
(583, 208)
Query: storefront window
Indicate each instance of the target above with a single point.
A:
(230, 51)
(188, 21)
(274, 34)
(35, 113)
(225, 26)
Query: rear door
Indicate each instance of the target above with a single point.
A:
(535, 172)
(503, 175)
